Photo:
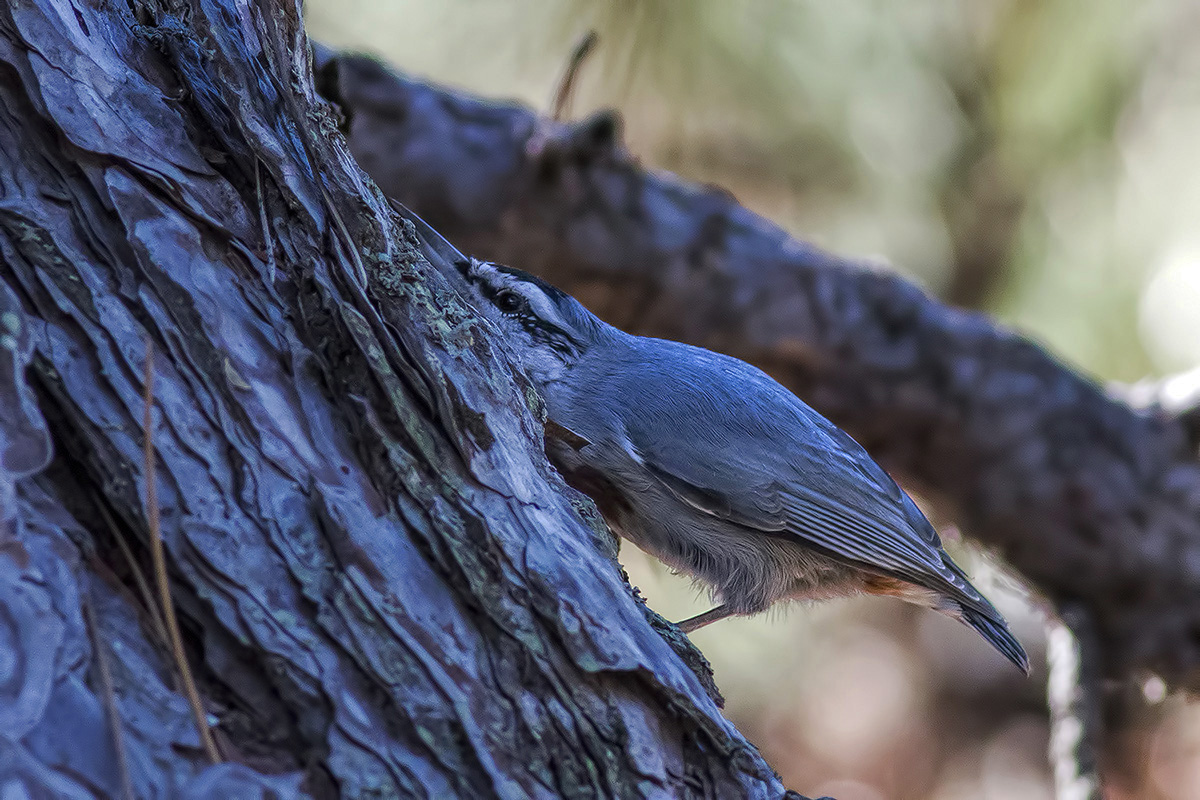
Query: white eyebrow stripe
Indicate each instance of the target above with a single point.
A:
(543, 307)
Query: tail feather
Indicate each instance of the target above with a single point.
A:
(997, 633)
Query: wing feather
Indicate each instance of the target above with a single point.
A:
(764, 459)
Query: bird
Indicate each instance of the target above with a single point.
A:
(715, 468)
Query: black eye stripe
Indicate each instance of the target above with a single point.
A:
(506, 301)
(550, 335)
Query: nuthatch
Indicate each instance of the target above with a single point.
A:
(712, 466)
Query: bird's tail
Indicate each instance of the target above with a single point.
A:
(995, 630)
(959, 600)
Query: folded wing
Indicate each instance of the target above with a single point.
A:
(783, 468)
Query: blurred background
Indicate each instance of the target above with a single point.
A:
(1038, 159)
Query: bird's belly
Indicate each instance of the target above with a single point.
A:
(747, 568)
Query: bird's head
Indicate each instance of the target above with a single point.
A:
(549, 330)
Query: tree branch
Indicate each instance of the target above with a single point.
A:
(383, 586)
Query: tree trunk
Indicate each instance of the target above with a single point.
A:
(1095, 501)
(384, 589)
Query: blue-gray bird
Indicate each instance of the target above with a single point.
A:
(712, 466)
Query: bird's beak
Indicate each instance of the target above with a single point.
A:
(436, 248)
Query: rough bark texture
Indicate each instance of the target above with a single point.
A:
(1094, 501)
(386, 590)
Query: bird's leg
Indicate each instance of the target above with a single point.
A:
(700, 620)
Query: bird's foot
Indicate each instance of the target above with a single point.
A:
(707, 618)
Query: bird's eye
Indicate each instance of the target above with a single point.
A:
(508, 301)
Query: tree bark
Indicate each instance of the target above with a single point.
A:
(1094, 501)
(385, 589)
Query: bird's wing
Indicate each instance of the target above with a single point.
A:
(880, 540)
(791, 472)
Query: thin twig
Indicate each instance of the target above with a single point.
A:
(160, 569)
(108, 697)
(268, 243)
(139, 577)
(566, 86)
